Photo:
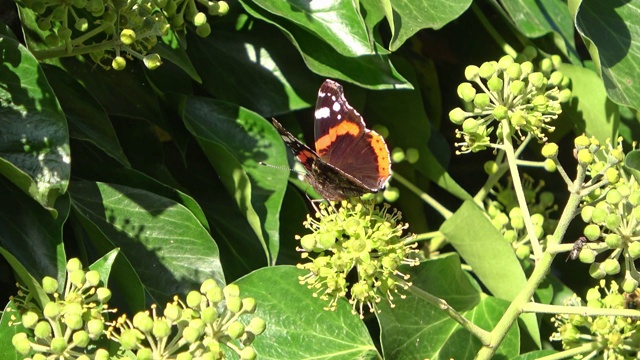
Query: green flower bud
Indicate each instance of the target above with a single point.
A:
(223, 8)
(397, 155)
(517, 87)
(529, 52)
(550, 150)
(556, 78)
(209, 315)
(523, 252)
(624, 190)
(611, 266)
(94, 328)
(248, 353)
(634, 198)
(161, 329)
(527, 68)
(51, 310)
(471, 72)
(491, 167)
(102, 354)
(194, 299)
(599, 215)
(235, 330)
(73, 321)
(565, 94)
(596, 271)
(172, 312)
(615, 156)
(58, 345)
(457, 116)
(234, 304)
(636, 213)
(582, 142)
(634, 249)
(128, 36)
(613, 240)
(629, 284)
(514, 72)
(550, 165)
(214, 295)
(144, 354)
(92, 277)
(612, 175)
(481, 101)
(547, 198)
(184, 356)
(256, 326)
(42, 330)
(487, 70)
(77, 278)
(413, 155)
(501, 112)
(249, 305)
(518, 119)
(231, 290)
(200, 19)
(466, 92)
(152, 61)
(29, 319)
(470, 126)
(49, 285)
(495, 84)
(536, 79)
(191, 335)
(129, 339)
(556, 60)
(118, 63)
(21, 343)
(505, 62)
(81, 24)
(585, 157)
(546, 65)
(143, 322)
(592, 232)
(612, 221)
(81, 338)
(103, 294)
(613, 197)
(537, 219)
(587, 256)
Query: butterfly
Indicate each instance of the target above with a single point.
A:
(349, 160)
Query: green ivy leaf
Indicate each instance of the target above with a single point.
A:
(590, 108)
(297, 325)
(34, 142)
(632, 163)
(166, 245)
(235, 140)
(602, 21)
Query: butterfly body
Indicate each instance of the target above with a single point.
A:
(349, 160)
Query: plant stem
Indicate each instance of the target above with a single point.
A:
(482, 335)
(567, 354)
(517, 187)
(532, 307)
(492, 31)
(424, 196)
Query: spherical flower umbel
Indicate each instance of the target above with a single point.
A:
(507, 93)
(358, 236)
(611, 337)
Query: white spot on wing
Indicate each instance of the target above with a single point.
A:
(322, 113)
(336, 107)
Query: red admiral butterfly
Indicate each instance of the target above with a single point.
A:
(350, 160)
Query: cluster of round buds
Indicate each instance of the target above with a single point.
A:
(507, 216)
(358, 236)
(68, 324)
(196, 328)
(515, 92)
(115, 29)
(611, 210)
(610, 337)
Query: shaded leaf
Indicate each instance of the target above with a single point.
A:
(34, 141)
(297, 325)
(7, 351)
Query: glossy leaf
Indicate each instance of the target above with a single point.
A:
(34, 141)
(632, 163)
(369, 71)
(167, 246)
(590, 107)
(235, 140)
(297, 325)
(31, 235)
(493, 260)
(411, 16)
(338, 23)
(7, 351)
(602, 21)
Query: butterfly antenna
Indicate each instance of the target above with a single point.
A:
(281, 168)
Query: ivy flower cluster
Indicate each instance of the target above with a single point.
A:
(611, 209)
(194, 329)
(605, 337)
(74, 324)
(117, 29)
(508, 94)
(64, 325)
(358, 236)
(507, 216)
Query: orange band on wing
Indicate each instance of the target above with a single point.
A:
(382, 154)
(345, 127)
